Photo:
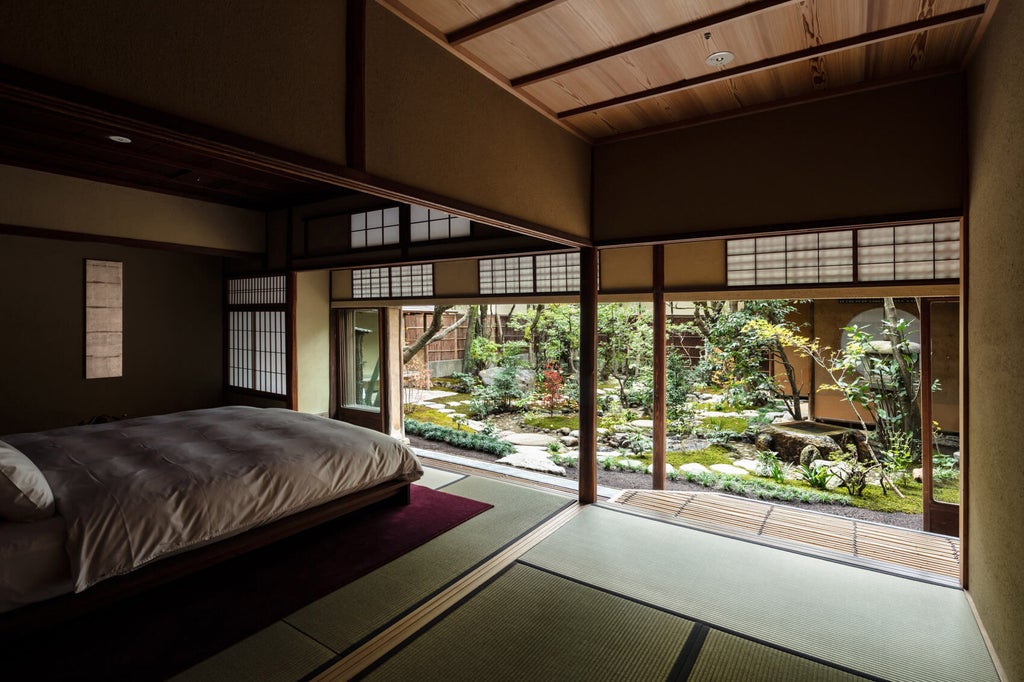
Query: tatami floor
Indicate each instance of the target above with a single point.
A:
(540, 588)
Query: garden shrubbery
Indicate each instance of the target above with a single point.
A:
(460, 439)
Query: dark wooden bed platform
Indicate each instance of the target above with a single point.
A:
(40, 615)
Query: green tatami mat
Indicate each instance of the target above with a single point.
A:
(858, 619)
(437, 478)
(530, 625)
(275, 653)
(725, 658)
(352, 613)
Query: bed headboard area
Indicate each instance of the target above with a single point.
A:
(172, 326)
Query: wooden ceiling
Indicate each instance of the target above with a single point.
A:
(610, 69)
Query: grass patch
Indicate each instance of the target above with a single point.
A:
(947, 491)
(426, 415)
(734, 424)
(712, 454)
(457, 398)
(558, 421)
(891, 502)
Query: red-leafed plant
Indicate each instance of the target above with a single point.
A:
(552, 397)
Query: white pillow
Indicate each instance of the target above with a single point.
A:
(24, 493)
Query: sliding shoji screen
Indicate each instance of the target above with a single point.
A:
(258, 334)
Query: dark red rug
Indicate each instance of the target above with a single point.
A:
(168, 629)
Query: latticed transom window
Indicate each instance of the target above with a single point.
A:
(400, 281)
(429, 224)
(892, 253)
(549, 273)
(375, 228)
(257, 334)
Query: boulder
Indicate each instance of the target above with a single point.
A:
(569, 441)
(809, 454)
(534, 460)
(525, 378)
(790, 438)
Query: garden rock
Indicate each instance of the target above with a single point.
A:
(525, 378)
(693, 468)
(918, 474)
(569, 441)
(534, 460)
(642, 423)
(809, 454)
(789, 440)
(746, 464)
(669, 469)
(729, 469)
(535, 439)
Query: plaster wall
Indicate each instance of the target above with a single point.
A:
(890, 151)
(172, 334)
(273, 71)
(995, 383)
(313, 341)
(31, 198)
(435, 124)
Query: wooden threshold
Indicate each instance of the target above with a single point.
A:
(920, 552)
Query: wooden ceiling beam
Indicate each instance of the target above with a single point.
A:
(947, 19)
(741, 12)
(498, 19)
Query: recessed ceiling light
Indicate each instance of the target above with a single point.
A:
(120, 139)
(720, 58)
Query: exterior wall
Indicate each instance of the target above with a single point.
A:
(889, 151)
(172, 334)
(826, 323)
(313, 341)
(436, 124)
(273, 71)
(995, 384)
(55, 202)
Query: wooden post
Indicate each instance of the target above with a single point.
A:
(588, 376)
(658, 410)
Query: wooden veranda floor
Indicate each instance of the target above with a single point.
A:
(924, 553)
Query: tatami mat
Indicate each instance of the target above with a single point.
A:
(342, 619)
(438, 478)
(278, 653)
(537, 626)
(853, 618)
(726, 658)
(925, 553)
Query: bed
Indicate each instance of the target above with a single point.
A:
(133, 503)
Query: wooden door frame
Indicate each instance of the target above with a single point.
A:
(939, 517)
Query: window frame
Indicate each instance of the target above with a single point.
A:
(272, 295)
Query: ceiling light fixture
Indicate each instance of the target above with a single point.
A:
(720, 58)
(120, 139)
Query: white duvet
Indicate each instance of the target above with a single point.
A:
(133, 491)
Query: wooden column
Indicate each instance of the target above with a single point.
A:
(658, 410)
(588, 376)
(391, 374)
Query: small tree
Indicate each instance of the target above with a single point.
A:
(551, 388)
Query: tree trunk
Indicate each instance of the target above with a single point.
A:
(909, 397)
(794, 390)
(467, 359)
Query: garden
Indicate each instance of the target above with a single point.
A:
(736, 407)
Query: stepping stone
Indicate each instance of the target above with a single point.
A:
(669, 469)
(642, 423)
(475, 425)
(748, 464)
(446, 410)
(693, 468)
(540, 439)
(433, 406)
(534, 460)
(729, 469)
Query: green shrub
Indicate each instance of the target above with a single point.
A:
(460, 439)
(764, 490)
